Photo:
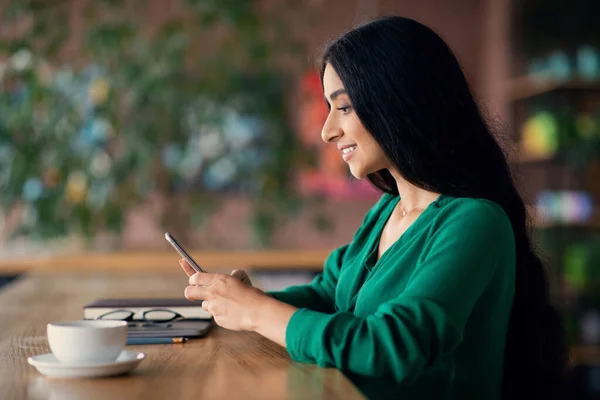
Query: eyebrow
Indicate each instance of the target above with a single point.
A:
(336, 93)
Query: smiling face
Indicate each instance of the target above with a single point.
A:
(343, 128)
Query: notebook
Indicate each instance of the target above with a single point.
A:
(186, 308)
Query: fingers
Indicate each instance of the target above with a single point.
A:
(205, 306)
(241, 275)
(187, 268)
(198, 293)
(206, 279)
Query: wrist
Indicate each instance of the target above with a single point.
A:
(259, 312)
(269, 313)
(270, 317)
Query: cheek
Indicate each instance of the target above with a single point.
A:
(371, 159)
(357, 133)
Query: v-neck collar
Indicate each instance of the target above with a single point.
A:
(361, 268)
(371, 260)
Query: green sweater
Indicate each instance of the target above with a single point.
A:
(428, 320)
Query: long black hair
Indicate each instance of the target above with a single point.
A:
(410, 93)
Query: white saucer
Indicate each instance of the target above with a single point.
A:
(48, 365)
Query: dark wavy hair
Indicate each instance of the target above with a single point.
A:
(410, 93)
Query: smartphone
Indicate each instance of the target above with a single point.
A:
(182, 252)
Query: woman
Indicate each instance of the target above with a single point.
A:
(439, 295)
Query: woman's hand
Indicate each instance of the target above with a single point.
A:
(236, 305)
(232, 303)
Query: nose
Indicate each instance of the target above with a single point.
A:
(331, 132)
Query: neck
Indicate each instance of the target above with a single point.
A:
(412, 196)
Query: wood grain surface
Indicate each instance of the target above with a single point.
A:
(222, 365)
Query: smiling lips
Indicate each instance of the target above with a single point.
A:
(347, 151)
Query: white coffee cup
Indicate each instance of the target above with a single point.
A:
(87, 341)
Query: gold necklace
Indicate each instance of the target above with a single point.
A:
(404, 212)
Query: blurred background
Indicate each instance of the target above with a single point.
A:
(120, 119)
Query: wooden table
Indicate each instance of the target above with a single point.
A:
(222, 365)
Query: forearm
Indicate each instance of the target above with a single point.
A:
(272, 318)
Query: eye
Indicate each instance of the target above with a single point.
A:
(346, 109)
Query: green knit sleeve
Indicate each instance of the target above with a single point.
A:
(425, 321)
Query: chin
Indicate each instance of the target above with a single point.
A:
(358, 173)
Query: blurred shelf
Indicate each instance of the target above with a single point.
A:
(520, 156)
(593, 223)
(524, 87)
(588, 355)
(529, 159)
(140, 262)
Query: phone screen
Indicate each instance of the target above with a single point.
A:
(182, 252)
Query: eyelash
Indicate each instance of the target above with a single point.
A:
(346, 110)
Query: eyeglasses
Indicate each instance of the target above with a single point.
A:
(158, 316)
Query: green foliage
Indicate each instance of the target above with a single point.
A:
(140, 109)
